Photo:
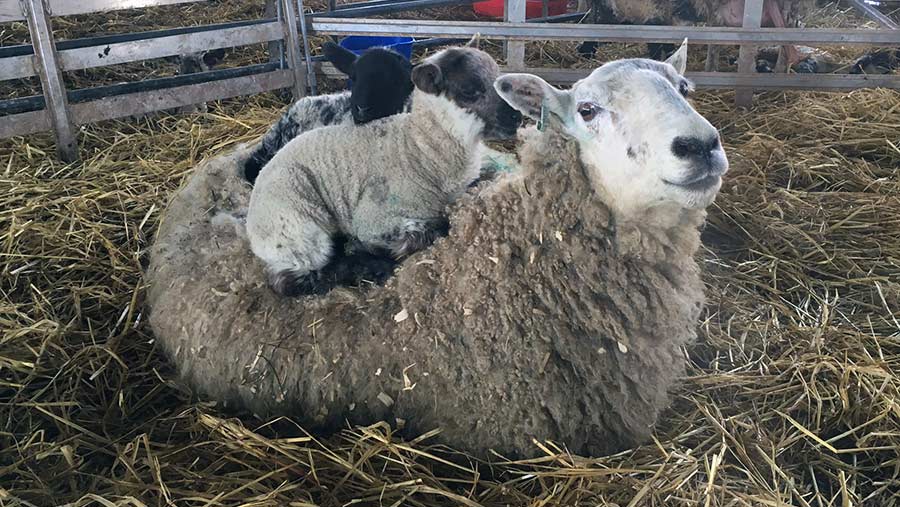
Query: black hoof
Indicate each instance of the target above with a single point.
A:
(290, 284)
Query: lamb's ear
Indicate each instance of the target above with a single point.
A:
(679, 58)
(428, 78)
(475, 41)
(530, 94)
(343, 59)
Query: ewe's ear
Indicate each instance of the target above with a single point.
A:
(428, 78)
(343, 59)
(529, 94)
(475, 41)
(679, 58)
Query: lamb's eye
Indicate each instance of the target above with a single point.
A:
(470, 95)
(684, 88)
(588, 110)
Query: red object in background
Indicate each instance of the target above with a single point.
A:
(494, 8)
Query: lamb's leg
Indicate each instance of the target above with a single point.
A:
(417, 235)
(406, 236)
(292, 255)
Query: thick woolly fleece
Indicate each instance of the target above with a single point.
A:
(539, 316)
(304, 115)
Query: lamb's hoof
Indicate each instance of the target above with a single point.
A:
(361, 267)
(291, 284)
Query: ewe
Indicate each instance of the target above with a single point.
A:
(556, 309)
(386, 184)
(381, 87)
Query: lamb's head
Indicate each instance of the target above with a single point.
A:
(381, 80)
(641, 141)
(465, 76)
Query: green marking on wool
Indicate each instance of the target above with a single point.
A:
(500, 163)
(542, 120)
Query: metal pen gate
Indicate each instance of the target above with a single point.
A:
(61, 110)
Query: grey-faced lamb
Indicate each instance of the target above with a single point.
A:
(384, 184)
(557, 308)
(381, 87)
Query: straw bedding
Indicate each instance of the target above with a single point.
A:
(791, 396)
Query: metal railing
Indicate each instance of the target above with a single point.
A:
(60, 109)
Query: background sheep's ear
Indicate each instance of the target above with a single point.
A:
(428, 78)
(679, 58)
(343, 59)
(475, 41)
(529, 94)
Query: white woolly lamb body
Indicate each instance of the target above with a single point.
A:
(387, 184)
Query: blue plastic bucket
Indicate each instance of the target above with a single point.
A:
(359, 43)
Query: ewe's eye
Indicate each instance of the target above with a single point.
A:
(588, 110)
(684, 88)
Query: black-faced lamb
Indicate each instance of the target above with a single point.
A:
(381, 87)
(556, 309)
(385, 184)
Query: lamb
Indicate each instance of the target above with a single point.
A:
(193, 63)
(385, 184)
(777, 13)
(556, 308)
(381, 87)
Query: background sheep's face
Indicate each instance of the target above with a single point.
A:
(465, 76)
(381, 81)
(642, 140)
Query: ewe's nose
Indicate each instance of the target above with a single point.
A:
(694, 147)
(705, 154)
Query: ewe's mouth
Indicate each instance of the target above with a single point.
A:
(697, 185)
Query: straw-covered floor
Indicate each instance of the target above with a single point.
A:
(792, 397)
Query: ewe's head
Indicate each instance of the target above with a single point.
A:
(381, 80)
(641, 140)
(465, 76)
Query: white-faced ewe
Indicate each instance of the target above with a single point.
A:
(777, 13)
(557, 308)
(386, 184)
(381, 87)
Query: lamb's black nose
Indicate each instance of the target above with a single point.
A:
(694, 147)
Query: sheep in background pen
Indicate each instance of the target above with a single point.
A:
(556, 309)
(193, 63)
(384, 184)
(777, 13)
